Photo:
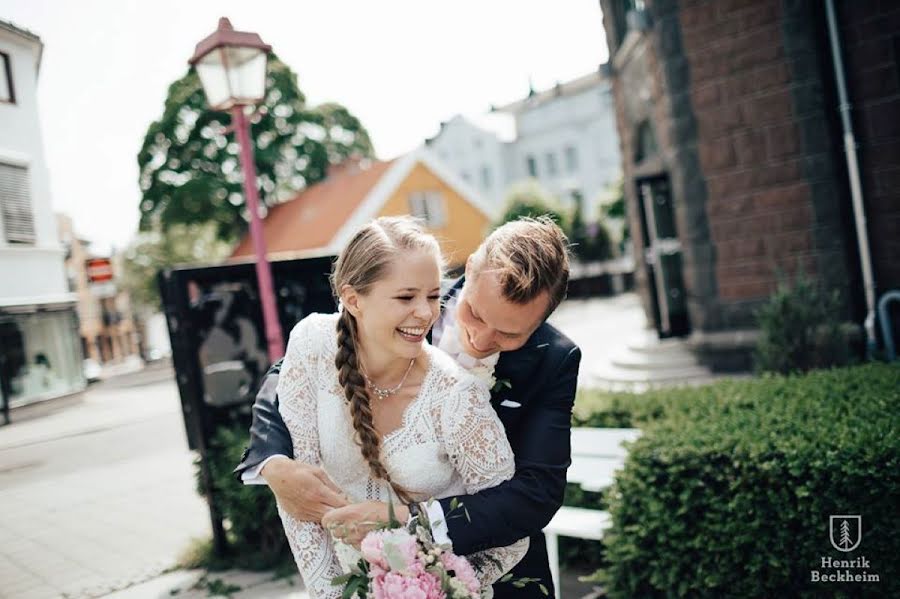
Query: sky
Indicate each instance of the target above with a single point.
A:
(401, 66)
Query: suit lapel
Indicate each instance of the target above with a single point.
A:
(517, 367)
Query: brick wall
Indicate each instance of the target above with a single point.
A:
(870, 34)
(756, 91)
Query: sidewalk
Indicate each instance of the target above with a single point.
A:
(99, 407)
(237, 584)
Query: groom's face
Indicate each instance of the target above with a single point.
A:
(489, 322)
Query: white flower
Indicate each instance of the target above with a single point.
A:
(485, 374)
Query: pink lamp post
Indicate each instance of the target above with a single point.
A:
(232, 69)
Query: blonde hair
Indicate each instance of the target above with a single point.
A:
(366, 260)
(530, 256)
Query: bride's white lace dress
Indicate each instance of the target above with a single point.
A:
(450, 443)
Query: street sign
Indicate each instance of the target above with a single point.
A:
(99, 270)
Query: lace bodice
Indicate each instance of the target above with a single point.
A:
(450, 442)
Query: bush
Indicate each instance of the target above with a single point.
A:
(590, 241)
(800, 329)
(256, 539)
(530, 199)
(729, 490)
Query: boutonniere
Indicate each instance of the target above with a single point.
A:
(500, 384)
(484, 373)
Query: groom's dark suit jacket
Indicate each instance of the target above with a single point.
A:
(536, 413)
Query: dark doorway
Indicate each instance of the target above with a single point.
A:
(662, 256)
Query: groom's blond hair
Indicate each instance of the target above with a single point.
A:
(530, 256)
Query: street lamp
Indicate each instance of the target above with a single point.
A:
(232, 69)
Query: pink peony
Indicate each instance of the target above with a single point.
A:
(372, 548)
(396, 586)
(463, 571)
(402, 547)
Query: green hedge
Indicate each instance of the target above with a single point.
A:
(256, 538)
(729, 490)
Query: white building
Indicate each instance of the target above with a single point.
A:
(40, 355)
(479, 149)
(564, 137)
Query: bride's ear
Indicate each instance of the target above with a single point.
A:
(350, 300)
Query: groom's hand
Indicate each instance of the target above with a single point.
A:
(351, 523)
(304, 491)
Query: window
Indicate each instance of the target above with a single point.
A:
(429, 206)
(6, 82)
(15, 204)
(646, 145)
(486, 177)
(532, 166)
(551, 164)
(571, 154)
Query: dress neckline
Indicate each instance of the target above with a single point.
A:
(404, 418)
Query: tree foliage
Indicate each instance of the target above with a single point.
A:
(530, 199)
(590, 241)
(152, 251)
(189, 164)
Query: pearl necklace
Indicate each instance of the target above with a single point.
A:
(381, 392)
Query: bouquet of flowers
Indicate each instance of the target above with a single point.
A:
(404, 562)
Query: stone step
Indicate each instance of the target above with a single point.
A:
(652, 346)
(675, 360)
(661, 375)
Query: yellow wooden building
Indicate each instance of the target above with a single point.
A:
(322, 218)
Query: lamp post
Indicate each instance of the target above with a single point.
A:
(232, 69)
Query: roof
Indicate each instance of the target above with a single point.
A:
(323, 218)
(500, 125)
(28, 35)
(569, 88)
(311, 219)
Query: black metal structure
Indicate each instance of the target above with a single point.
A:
(219, 344)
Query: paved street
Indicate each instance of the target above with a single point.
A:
(98, 493)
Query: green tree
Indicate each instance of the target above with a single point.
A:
(530, 199)
(189, 164)
(614, 212)
(151, 251)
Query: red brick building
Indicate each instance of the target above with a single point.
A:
(734, 160)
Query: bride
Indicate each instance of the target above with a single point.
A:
(385, 414)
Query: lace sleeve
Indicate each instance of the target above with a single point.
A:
(479, 450)
(310, 543)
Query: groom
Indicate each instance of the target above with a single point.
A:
(512, 283)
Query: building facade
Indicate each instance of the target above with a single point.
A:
(564, 137)
(106, 322)
(40, 356)
(734, 159)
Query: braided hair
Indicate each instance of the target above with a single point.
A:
(365, 260)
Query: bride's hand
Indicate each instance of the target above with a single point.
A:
(352, 523)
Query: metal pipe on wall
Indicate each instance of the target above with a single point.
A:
(856, 194)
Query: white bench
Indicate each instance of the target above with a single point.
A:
(596, 455)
